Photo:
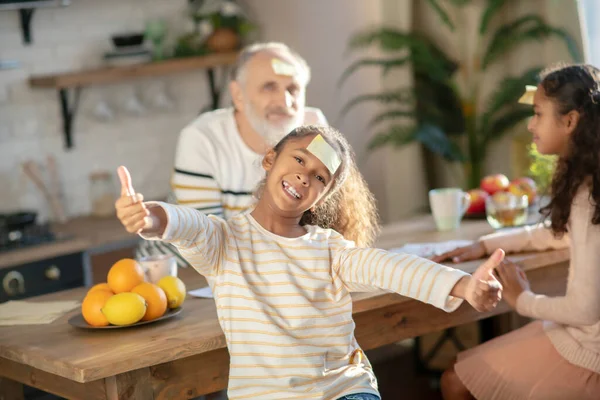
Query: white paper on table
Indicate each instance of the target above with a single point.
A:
(204, 292)
(431, 249)
(20, 312)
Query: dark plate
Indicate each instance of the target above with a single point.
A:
(79, 322)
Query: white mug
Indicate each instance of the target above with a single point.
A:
(158, 266)
(448, 205)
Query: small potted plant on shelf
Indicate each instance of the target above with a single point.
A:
(219, 26)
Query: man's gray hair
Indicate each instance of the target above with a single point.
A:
(238, 72)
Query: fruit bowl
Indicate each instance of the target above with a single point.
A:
(78, 321)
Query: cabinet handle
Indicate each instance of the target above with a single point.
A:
(53, 273)
(13, 276)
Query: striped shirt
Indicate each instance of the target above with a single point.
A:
(215, 171)
(284, 303)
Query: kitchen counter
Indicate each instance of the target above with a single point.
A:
(87, 233)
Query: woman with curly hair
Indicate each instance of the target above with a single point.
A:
(557, 356)
(282, 272)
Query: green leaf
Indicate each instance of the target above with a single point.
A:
(525, 29)
(571, 44)
(434, 139)
(246, 28)
(432, 61)
(428, 135)
(390, 115)
(438, 102)
(442, 14)
(387, 39)
(402, 95)
(387, 65)
(492, 8)
(424, 54)
(396, 135)
(508, 93)
(503, 123)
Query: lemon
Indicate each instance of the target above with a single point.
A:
(124, 308)
(174, 288)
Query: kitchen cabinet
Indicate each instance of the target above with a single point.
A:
(39, 277)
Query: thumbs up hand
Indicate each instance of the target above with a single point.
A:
(484, 291)
(131, 211)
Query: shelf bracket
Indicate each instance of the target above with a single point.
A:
(68, 112)
(215, 92)
(25, 15)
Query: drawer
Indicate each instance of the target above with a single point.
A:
(42, 277)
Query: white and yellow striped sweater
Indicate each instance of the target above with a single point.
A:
(284, 303)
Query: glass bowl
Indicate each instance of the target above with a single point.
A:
(505, 209)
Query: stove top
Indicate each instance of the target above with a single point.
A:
(31, 235)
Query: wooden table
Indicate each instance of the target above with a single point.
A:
(187, 357)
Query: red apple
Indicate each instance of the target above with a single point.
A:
(478, 197)
(494, 183)
(524, 186)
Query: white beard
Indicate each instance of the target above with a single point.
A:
(272, 133)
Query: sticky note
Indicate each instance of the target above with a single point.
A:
(527, 97)
(282, 68)
(325, 153)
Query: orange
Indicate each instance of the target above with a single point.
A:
(156, 300)
(99, 286)
(124, 275)
(91, 308)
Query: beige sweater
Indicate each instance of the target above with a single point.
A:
(572, 321)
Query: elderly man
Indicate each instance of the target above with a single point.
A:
(217, 163)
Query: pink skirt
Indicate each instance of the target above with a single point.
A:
(524, 364)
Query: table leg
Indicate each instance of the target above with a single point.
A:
(10, 390)
(133, 385)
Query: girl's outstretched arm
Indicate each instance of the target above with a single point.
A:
(363, 269)
(529, 238)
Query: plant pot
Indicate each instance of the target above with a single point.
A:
(223, 40)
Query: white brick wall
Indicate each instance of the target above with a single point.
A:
(75, 37)
(71, 38)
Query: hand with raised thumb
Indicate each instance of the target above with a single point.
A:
(131, 211)
(483, 290)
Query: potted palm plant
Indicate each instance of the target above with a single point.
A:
(446, 120)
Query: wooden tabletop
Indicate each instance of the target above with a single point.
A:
(83, 355)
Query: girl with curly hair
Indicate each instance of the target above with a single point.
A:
(282, 272)
(557, 356)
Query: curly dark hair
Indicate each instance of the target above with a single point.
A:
(349, 207)
(575, 88)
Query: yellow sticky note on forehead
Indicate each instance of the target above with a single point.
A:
(282, 68)
(527, 97)
(325, 153)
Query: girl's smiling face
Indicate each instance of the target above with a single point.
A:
(296, 179)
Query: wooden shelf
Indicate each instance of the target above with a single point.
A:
(77, 80)
(120, 73)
